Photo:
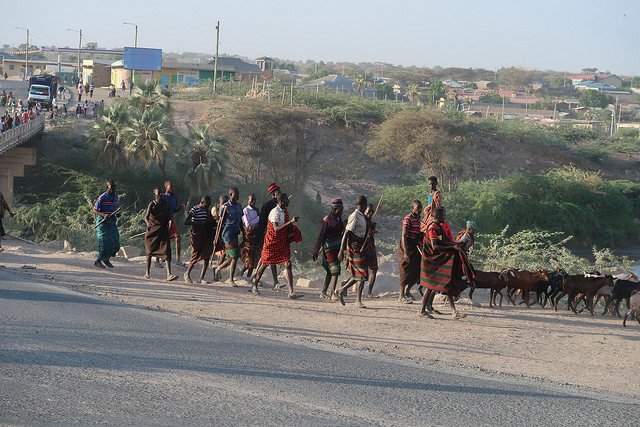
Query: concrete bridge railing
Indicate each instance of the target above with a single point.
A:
(16, 136)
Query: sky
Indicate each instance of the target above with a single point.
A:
(562, 35)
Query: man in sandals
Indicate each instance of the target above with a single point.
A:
(281, 231)
(156, 239)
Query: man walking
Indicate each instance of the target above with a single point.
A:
(329, 240)
(231, 217)
(274, 190)
(170, 197)
(156, 238)
(281, 231)
(201, 238)
(353, 240)
(107, 233)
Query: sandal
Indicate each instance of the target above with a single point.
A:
(172, 278)
(458, 315)
(295, 295)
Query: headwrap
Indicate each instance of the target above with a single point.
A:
(336, 202)
(472, 224)
(272, 187)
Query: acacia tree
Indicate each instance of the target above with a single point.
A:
(431, 140)
(273, 142)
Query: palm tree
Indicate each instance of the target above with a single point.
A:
(146, 137)
(413, 93)
(148, 94)
(201, 160)
(359, 83)
(109, 136)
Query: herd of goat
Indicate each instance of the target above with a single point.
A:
(587, 288)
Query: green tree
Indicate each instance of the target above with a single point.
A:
(200, 161)
(413, 93)
(493, 98)
(146, 137)
(108, 134)
(594, 98)
(384, 91)
(557, 82)
(435, 91)
(359, 84)
(148, 94)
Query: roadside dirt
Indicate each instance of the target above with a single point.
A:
(595, 352)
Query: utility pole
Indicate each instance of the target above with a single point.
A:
(215, 59)
(135, 44)
(79, 47)
(26, 53)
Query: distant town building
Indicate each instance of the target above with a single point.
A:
(599, 86)
(229, 68)
(264, 63)
(486, 84)
(608, 79)
(338, 83)
(97, 72)
(452, 84)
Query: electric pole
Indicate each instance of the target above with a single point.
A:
(26, 53)
(215, 59)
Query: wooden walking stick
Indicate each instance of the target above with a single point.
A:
(223, 213)
(366, 239)
(117, 211)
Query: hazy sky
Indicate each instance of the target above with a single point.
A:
(542, 34)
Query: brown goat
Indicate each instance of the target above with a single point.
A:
(578, 287)
(524, 281)
(489, 280)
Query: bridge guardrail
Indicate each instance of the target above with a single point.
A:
(24, 132)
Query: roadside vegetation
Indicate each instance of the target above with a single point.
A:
(262, 138)
(581, 204)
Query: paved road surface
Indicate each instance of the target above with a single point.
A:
(70, 358)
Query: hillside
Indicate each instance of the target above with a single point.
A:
(344, 168)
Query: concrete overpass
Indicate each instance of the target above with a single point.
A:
(14, 158)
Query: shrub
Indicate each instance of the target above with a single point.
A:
(569, 200)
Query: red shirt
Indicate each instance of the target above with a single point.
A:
(434, 232)
(412, 224)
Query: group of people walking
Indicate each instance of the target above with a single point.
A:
(428, 253)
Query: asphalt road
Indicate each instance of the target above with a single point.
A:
(70, 358)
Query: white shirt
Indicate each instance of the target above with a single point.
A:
(357, 224)
(251, 217)
(276, 216)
